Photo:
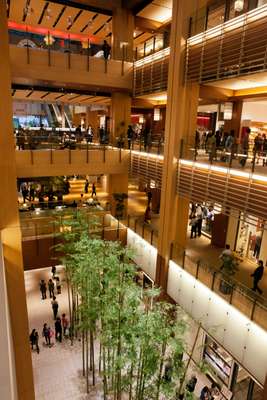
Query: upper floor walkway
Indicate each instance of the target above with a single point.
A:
(33, 65)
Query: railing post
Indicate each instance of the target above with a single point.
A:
(143, 231)
(183, 261)
(123, 59)
(88, 56)
(181, 148)
(106, 65)
(104, 154)
(49, 50)
(51, 153)
(213, 280)
(120, 155)
(69, 156)
(28, 48)
(69, 54)
(254, 160)
(151, 238)
(253, 310)
(31, 156)
(171, 250)
(197, 271)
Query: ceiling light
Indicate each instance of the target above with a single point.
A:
(48, 14)
(69, 20)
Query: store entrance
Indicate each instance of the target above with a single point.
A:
(232, 378)
(249, 237)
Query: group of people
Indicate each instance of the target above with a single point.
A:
(61, 323)
(228, 144)
(196, 218)
(86, 187)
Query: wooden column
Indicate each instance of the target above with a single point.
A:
(181, 115)
(10, 226)
(120, 116)
(122, 34)
(235, 122)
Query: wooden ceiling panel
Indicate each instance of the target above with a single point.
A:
(97, 23)
(16, 10)
(21, 94)
(83, 20)
(37, 7)
(62, 24)
(36, 95)
(53, 11)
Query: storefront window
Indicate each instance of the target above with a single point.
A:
(249, 239)
(219, 360)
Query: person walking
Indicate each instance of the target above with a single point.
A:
(47, 334)
(32, 193)
(65, 323)
(191, 384)
(245, 147)
(34, 339)
(25, 193)
(58, 285)
(149, 197)
(193, 224)
(51, 288)
(106, 50)
(257, 276)
(54, 304)
(93, 189)
(43, 289)
(205, 393)
(86, 186)
(58, 330)
(199, 216)
(53, 271)
(130, 136)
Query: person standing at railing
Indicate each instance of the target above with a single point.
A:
(264, 150)
(106, 50)
(257, 276)
(211, 146)
(245, 146)
(257, 149)
(130, 136)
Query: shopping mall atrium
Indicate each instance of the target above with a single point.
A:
(133, 154)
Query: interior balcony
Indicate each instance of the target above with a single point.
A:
(229, 50)
(33, 65)
(50, 162)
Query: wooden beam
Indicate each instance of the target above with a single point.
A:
(214, 93)
(146, 25)
(97, 6)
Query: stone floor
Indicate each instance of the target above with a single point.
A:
(56, 369)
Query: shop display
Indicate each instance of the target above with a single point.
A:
(218, 359)
(249, 239)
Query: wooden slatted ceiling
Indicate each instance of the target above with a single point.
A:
(56, 16)
(47, 96)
